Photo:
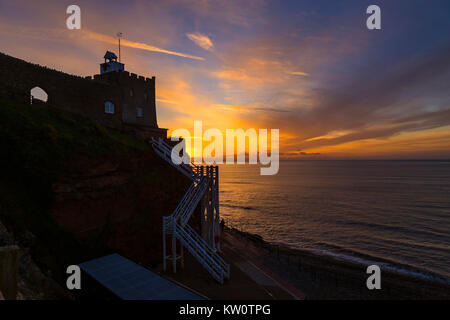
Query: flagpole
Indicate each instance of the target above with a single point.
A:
(119, 35)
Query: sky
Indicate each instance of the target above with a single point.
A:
(311, 69)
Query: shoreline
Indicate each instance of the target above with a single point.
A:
(320, 275)
(351, 256)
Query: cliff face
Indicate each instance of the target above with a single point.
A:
(72, 190)
(118, 202)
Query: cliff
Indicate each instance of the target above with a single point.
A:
(72, 190)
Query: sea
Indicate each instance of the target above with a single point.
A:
(392, 213)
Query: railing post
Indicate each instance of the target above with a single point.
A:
(174, 246)
(164, 243)
(8, 271)
(217, 205)
(182, 255)
(212, 207)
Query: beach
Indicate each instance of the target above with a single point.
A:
(323, 277)
(264, 271)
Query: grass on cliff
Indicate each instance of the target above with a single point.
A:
(42, 131)
(36, 141)
(39, 139)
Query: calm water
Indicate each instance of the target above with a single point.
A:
(392, 211)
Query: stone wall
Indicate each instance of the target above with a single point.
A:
(135, 92)
(84, 96)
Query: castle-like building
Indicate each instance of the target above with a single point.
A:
(114, 97)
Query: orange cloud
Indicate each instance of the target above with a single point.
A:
(201, 40)
(298, 73)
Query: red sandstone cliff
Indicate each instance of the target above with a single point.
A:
(118, 202)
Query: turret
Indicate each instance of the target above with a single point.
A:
(111, 64)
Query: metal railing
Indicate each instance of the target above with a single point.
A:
(198, 251)
(196, 197)
(218, 259)
(176, 223)
(164, 150)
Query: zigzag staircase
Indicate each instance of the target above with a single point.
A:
(204, 186)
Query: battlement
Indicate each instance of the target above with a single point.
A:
(123, 77)
(7, 60)
(117, 99)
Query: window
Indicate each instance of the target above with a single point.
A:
(109, 107)
(131, 92)
(145, 97)
(38, 94)
(139, 112)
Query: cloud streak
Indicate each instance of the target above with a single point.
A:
(298, 73)
(136, 45)
(201, 40)
(249, 108)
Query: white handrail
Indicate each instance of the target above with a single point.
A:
(176, 223)
(184, 218)
(204, 258)
(180, 207)
(225, 266)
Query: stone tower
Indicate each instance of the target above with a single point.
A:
(111, 64)
(137, 93)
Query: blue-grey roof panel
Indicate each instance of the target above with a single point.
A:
(130, 281)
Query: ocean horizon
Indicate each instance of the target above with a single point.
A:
(394, 213)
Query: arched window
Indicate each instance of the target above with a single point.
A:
(131, 93)
(38, 94)
(139, 112)
(146, 97)
(109, 107)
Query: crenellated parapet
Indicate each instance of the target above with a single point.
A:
(118, 99)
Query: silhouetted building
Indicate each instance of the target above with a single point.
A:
(115, 97)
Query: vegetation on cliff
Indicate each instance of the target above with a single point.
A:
(72, 190)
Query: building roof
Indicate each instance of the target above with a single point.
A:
(129, 281)
(110, 55)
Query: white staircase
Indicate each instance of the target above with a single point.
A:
(190, 201)
(204, 185)
(165, 151)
